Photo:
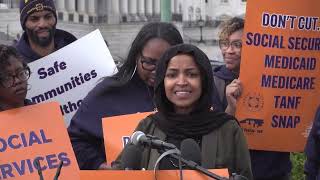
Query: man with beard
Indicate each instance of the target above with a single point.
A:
(38, 19)
(266, 165)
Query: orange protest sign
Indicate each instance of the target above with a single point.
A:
(117, 131)
(280, 73)
(145, 175)
(32, 133)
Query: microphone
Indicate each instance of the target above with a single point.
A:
(139, 138)
(190, 150)
(191, 156)
(37, 165)
(131, 157)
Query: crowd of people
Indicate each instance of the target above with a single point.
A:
(162, 74)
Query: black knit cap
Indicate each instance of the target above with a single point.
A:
(28, 7)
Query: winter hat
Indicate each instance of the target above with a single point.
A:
(28, 7)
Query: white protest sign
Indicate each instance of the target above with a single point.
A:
(68, 74)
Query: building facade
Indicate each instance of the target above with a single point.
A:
(127, 11)
(113, 11)
(9, 4)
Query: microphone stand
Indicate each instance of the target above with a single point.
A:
(37, 164)
(58, 171)
(195, 166)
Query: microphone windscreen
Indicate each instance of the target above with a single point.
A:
(190, 150)
(135, 137)
(131, 157)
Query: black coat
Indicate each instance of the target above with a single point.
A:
(61, 39)
(85, 129)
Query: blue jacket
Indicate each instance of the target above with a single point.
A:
(312, 150)
(222, 78)
(85, 129)
(265, 164)
(61, 39)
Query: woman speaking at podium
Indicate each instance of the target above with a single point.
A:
(183, 90)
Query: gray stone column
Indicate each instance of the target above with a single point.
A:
(156, 7)
(92, 11)
(71, 5)
(15, 4)
(71, 9)
(149, 7)
(175, 7)
(82, 6)
(60, 5)
(92, 7)
(82, 11)
(61, 8)
(133, 10)
(176, 15)
(115, 6)
(104, 9)
(141, 10)
(103, 6)
(124, 11)
(113, 10)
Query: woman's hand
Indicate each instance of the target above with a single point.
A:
(233, 91)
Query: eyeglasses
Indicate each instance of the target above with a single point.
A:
(8, 81)
(148, 63)
(225, 44)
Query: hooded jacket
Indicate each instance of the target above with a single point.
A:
(222, 77)
(61, 39)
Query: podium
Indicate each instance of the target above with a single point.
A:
(148, 174)
(117, 131)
